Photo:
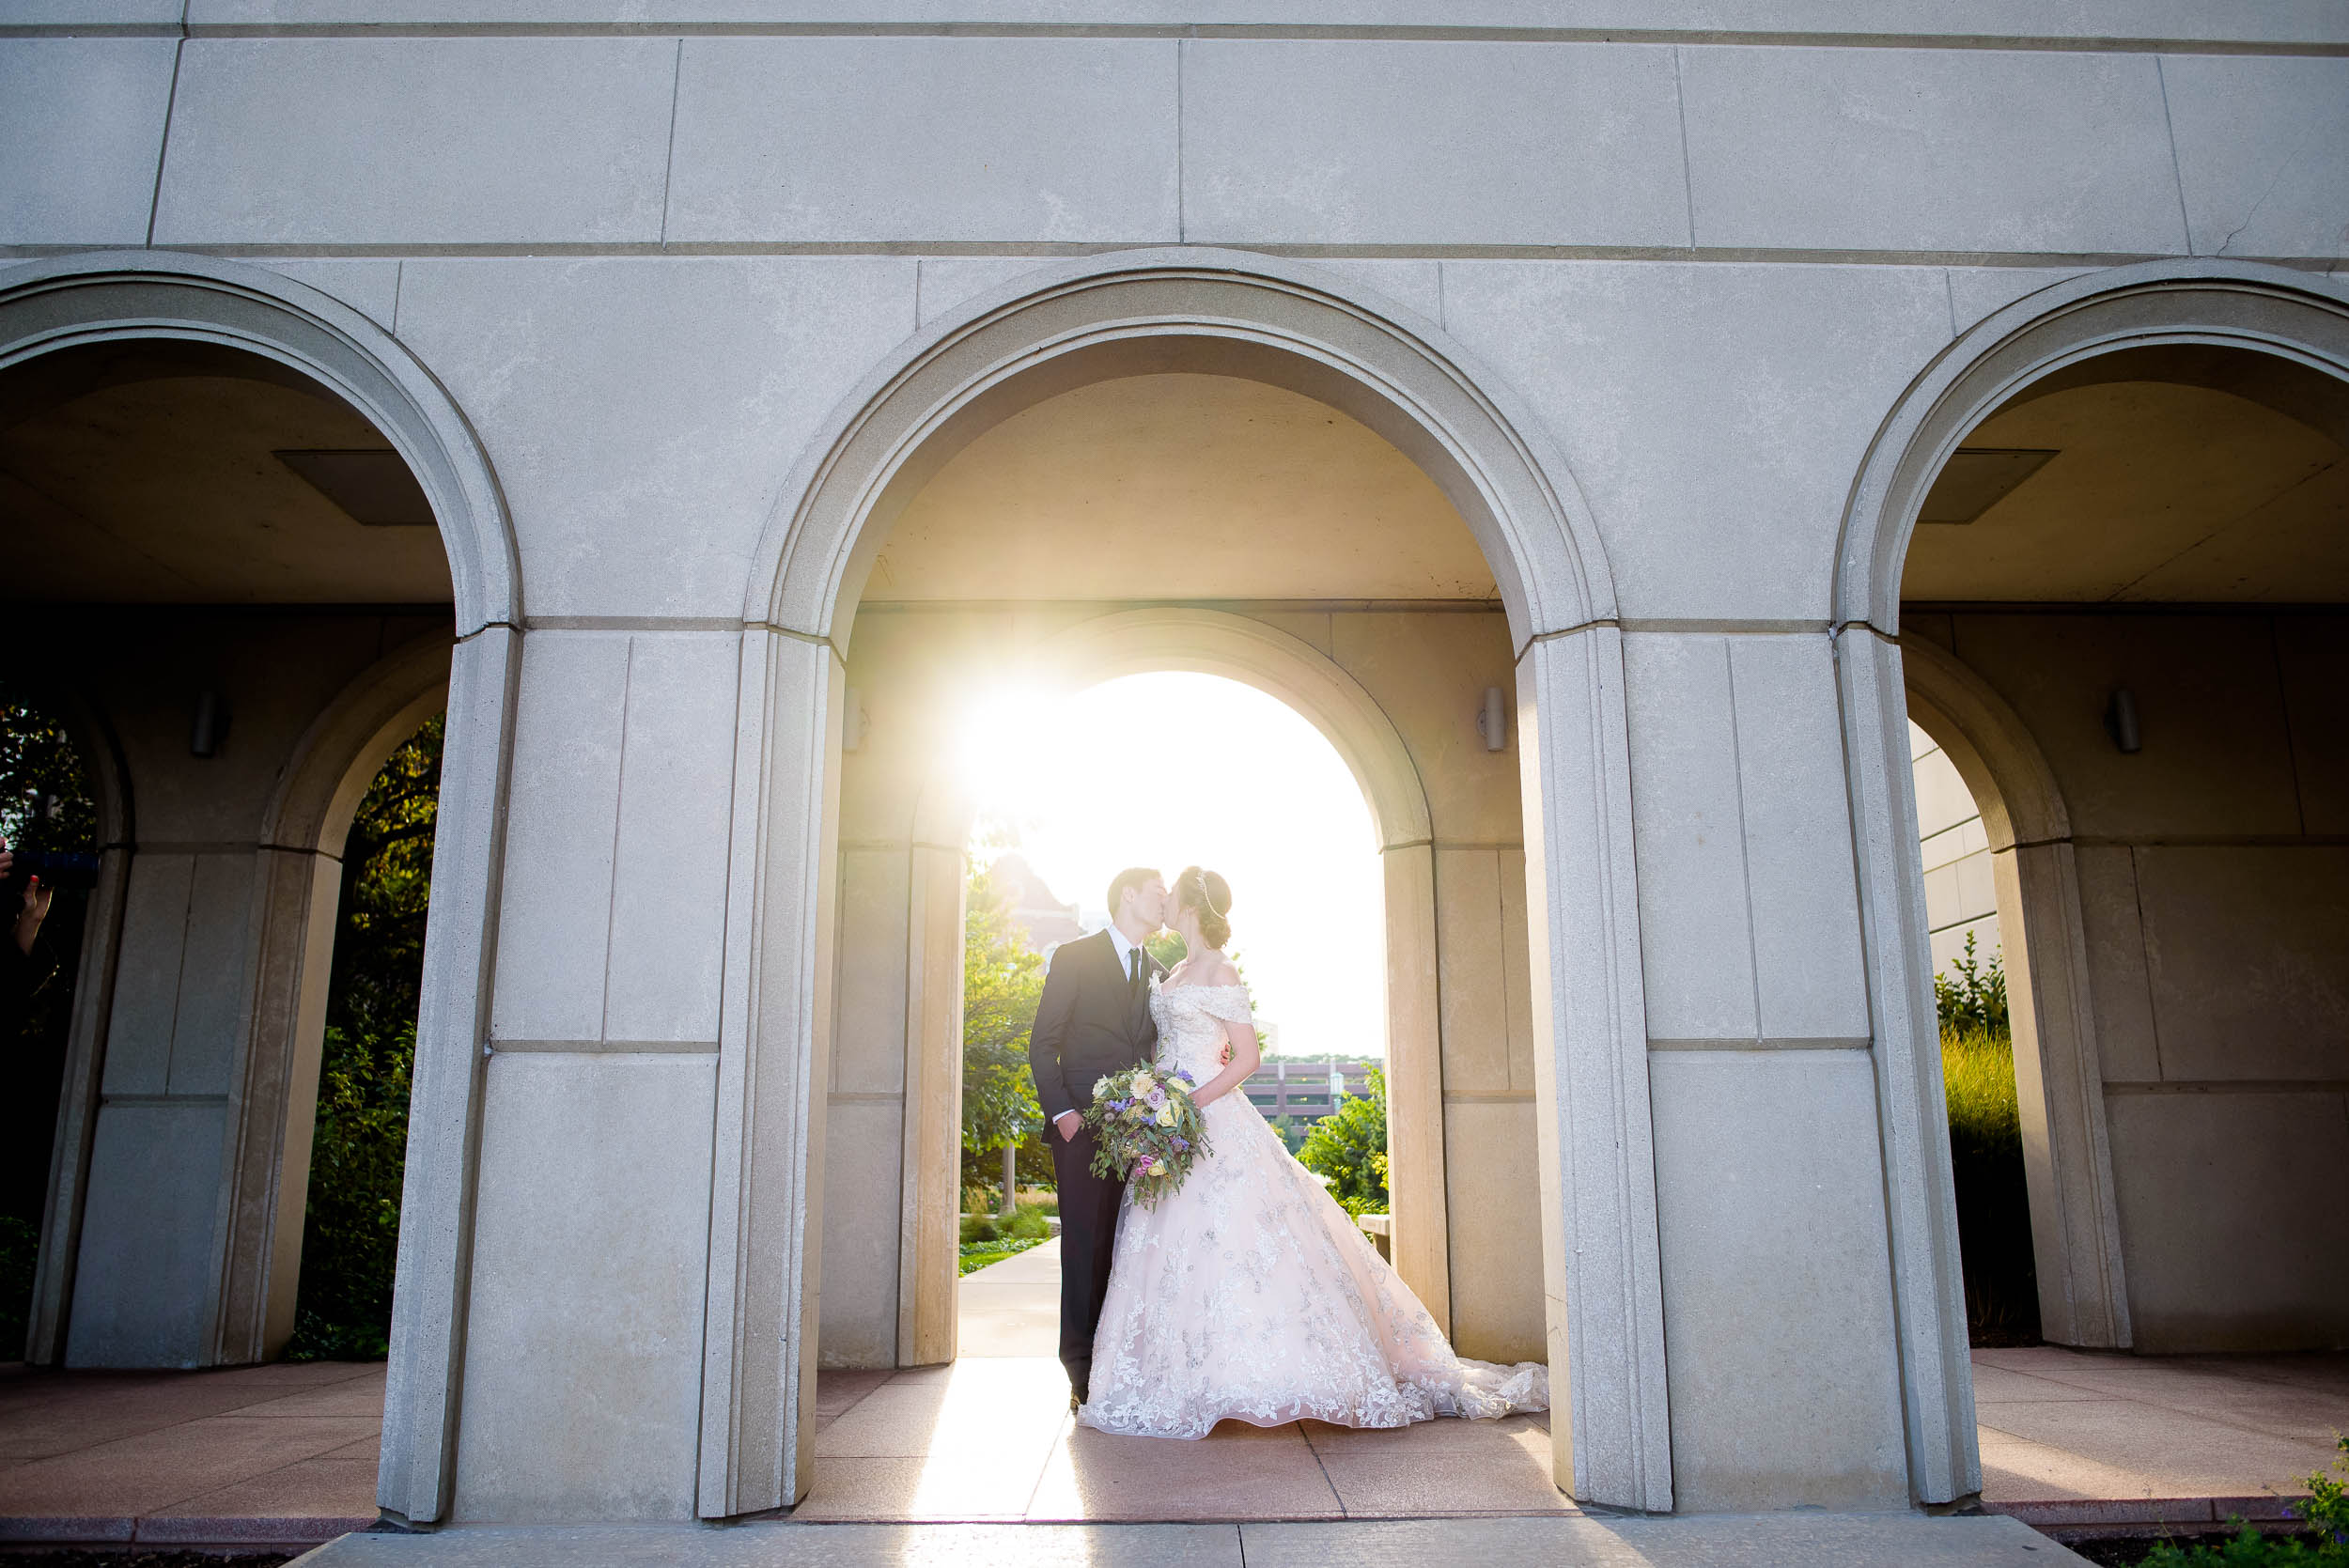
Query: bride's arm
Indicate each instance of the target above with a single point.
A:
(1247, 1056)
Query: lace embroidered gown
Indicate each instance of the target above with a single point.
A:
(1250, 1295)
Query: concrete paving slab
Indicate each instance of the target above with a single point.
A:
(1749, 1541)
(1771, 1541)
(1011, 1308)
(154, 1470)
(798, 1545)
(1236, 1472)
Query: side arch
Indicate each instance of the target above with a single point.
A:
(2076, 1223)
(1216, 643)
(118, 296)
(1287, 325)
(2179, 305)
(302, 840)
(2176, 306)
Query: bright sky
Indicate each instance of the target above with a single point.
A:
(1244, 785)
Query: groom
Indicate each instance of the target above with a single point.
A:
(1094, 1018)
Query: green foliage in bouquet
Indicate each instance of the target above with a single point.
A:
(1146, 1129)
(1349, 1146)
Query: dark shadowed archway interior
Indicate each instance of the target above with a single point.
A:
(215, 561)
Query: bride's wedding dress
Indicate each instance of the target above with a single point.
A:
(1250, 1295)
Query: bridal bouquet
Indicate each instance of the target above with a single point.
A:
(1147, 1130)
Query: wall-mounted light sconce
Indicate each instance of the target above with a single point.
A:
(2121, 720)
(210, 724)
(851, 719)
(1492, 720)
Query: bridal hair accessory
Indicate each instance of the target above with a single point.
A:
(1224, 910)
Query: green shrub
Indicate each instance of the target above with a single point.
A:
(2324, 1513)
(978, 1254)
(1978, 1077)
(1994, 1234)
(1349, 1146)
(1971, 995)
(1026, 1224)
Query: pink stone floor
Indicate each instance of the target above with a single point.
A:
(992, 1438)
(2086, 1441)
(275, 1454)
(286, 1455)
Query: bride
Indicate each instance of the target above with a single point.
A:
(1248, 1294)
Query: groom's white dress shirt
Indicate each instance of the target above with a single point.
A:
(1125, 951)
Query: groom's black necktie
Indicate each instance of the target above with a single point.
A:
(1134, 979)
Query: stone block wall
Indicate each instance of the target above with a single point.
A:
(2214, 889)
(1961, 899)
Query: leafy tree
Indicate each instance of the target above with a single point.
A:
(44, 804)
(1349, 1146)
(350, 1237)
(1003, 980)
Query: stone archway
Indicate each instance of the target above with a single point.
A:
(1261, 319)
(1201, 641)
(2153, 305)
(302, 835)
(113, 297)
(2075, 1226)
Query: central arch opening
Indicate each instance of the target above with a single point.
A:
(1155, 524)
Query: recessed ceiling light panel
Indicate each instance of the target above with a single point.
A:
(1977, 478)
(374, 486)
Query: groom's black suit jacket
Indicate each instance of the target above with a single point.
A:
(1093, 1019)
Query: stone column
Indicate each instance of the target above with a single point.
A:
(1598, 1165)
(758, 1413)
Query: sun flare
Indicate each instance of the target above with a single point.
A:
(1172, 769)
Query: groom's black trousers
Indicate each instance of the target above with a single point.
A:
(1088, 1236)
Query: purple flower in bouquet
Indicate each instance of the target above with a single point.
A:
(1149, 1131)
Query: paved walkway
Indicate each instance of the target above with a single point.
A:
(286, 1455)
(1714, 1541)
(2086, 1441)
(278, 1454)
(1012, 1308)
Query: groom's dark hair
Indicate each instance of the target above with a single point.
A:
(1132, 876)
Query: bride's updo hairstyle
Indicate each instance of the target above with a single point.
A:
(1211, 896)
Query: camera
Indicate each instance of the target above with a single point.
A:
(56, 868)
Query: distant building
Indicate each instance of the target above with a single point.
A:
(1043, 920)
(1304, 1088)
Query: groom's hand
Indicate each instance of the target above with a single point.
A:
(1069, 1122)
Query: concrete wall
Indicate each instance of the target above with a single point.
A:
(913, 669)
(2214, 892)
(1961, 896)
